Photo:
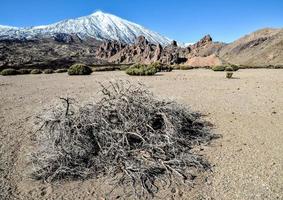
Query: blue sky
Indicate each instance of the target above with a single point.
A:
(182, 20)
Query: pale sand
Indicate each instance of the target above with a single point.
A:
(247, 111)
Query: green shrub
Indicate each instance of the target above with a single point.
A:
(218, 68)
(79, 69)
(36, 71)
(177, 66)
(235, 67)
(9, 72)
(161, 67)
(24, 71)
(229, 74)
(229, 69)
(223, 68)
(141, 70)
(48, 71)
(157, 65)
(61, 70)
(185, 67)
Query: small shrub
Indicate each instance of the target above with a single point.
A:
(36, 71)
(185, 67)
(48, 71)
(161, 67)
(9, 72)
(177, 66)
(141, 70)
(61, 70)
(229, 74)
(235, 67)
(229, 69)
(79, 69)
(218, 68)
(24, 71)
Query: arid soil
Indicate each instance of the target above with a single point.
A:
(247, 111)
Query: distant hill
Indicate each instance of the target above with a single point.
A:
(261, 48)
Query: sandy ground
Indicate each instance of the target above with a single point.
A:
(246, 110)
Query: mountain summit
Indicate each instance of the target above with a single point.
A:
(99, 25)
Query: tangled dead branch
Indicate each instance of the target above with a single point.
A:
(129, 134)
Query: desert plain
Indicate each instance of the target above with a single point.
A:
(247, 111)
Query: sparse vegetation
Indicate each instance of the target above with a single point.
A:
(24, 71)
(224, 68)
(235, 67)
(161, 67)
(61, 70)
(229, 69)
(157, 65)
(79, 69)
(36, 71)
(48, 71)
(218, 68)
(185, 67)
(127, 134)
(9, 72)
(141, 70)
(229, 74)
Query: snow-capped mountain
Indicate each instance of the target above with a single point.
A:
(99, 25)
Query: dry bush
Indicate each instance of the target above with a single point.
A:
(128, 134)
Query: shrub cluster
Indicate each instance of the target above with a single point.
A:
(141, 70)
(9, 72)
(218, 68)
(161, 67)
(223, 68)
(79, 69)
(185, 67)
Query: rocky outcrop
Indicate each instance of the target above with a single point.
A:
(141, 51)
(108, 49)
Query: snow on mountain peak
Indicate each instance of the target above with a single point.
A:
(99, 25)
